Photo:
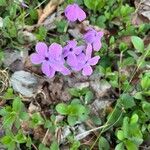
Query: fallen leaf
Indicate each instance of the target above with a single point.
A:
(49, 8)
(143, 8)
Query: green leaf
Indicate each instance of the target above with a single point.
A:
(13, 10)
(6, 140)
(76, 101)
(33, 14)
(112, 40)
(148, 127)
(96, 119)
(130, 145)
(20, 138)
(146, 108)
(74, 92)
(29, 142)
(138, 43)
(145, 82)
(9, 94)
(103, 144)
(127, 101)
(128, 61)
(133, 54)
(72, 120)
(120, 135)
(101, 21)
(113, 117)
(42, 32)
(48, 124)
(123, 46)
(84, 116)
(62, 26)
(54, 146)
(17, 123)
(88, 97)
(134, 119)
(3, 3)
(17, 105)
(24, 116)
(125, 127)
(36, 120)
(43, 147)
(62, 109)
(78, 110)
(139, 96)
(94, 5)
(10, 27)
(9, 120)
(12, 146)
(119, 146)
(75, 145)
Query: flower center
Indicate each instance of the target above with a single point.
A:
(71, 49)
(46, 58)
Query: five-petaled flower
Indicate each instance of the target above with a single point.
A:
(73, 13)
(85, 61)
(50, 58)
(70, 51)
(94, 38)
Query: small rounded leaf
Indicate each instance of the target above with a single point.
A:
(62, 109)
(138, 43)
(120, 135)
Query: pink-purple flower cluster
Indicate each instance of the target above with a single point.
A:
(71, 57)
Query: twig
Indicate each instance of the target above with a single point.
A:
(34, 146)
(107, 129)
(92, 130)
(46, 134)
(119, 82)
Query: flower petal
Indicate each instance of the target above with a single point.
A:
(97, 45)
(47, 70)
(65, 71)
(72, 43)
(81, 14)
(41, 48)
(81, 58)
(77, 68)
(55, 50)
(58, 66)
(100, 34)
(72, 60)
(87, 70)
(90, 36)
(89, 51)
(65, 52)
(93, 61)
(70, 13)
(79, 49)
(36, 58)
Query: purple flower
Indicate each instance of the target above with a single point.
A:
(73, 13)
(23, 4)
(85, 61)
(50, 58)
(94, 38)
(71, 51)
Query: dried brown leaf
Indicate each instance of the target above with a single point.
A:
(49, 8)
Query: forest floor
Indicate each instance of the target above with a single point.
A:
(95, 99)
